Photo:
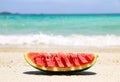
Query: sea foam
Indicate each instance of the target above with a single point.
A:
(71, 40)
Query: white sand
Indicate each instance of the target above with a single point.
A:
(13, 67)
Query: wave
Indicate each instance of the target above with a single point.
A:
(71, 40)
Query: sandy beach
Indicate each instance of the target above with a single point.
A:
(89, 26)
(13, 67)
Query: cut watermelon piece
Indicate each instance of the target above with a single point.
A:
(60, 62)
(74, 59)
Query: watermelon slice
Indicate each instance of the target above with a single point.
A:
(60, 62)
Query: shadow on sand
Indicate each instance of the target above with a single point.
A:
(53, 73)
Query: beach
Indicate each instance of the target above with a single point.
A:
(83, 33)
(13, 67)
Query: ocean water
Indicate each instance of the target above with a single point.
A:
(65, 30)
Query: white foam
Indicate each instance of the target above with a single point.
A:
(72, 40)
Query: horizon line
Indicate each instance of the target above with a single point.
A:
(7, 12)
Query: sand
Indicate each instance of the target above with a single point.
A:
(13, 67)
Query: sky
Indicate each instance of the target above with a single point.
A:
(60, 6)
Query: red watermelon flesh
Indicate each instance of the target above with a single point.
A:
(74, 59)
(65, 60)
(60, 61)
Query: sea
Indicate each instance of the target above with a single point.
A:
(90, 30)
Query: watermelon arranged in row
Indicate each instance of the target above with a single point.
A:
(60, 62)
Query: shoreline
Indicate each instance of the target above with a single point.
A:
(49, 48)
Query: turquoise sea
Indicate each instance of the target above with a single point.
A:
(58, 29)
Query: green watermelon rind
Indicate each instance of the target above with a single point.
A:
(43, 68)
